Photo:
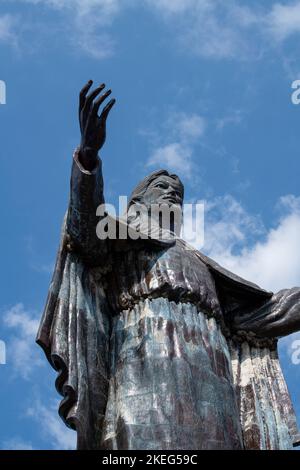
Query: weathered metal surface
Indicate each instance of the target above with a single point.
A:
(267, 417)
(142, 343)
(156, 346)
(171, 381)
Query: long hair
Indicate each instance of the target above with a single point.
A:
(139, 191)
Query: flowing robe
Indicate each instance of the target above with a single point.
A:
(147, 342)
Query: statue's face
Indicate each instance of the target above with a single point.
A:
(163, 190)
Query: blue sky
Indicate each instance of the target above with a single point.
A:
(203, 88)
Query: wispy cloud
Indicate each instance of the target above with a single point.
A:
(233, 117)
(176, 6)
(225, 30)
(34, 257)
(106, 8)
(284, 20)
(289, 349)
(211, 28)
(273, 262)
(16, 443)
(175, 142)
(8, 30)
(185, 127)
(174, 157)
(52, 427)
(206, 28)
(22, 353)
(24, 358)
(231, 235)
(43, 268)
(83, 23)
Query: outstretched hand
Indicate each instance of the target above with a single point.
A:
(92, 126)
(279, 316)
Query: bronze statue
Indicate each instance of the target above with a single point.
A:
(156, 345)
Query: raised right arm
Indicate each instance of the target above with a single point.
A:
(86, 178)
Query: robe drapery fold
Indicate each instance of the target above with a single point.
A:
(117, 316)
(266, 412)
(76, 335)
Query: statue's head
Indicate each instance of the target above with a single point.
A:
(159, 199)
(160, 187)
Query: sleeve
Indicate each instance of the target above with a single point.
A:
(86, 194)
(74, 333)
(279, 316)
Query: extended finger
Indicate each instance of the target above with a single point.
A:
(100, 100)
(83, 93)
(107, 109)
(90, 98)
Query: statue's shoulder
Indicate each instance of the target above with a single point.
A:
(223, 275)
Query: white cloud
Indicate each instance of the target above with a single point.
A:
(220, 30)
(22, 352)
(289, 352)
(17, 317)
(284, 20)
(287, 346)
(84, 23)
(186, 127)
(179, 134)
(52, 427)
(174, 157)
(211, 28)
(178, 138)
(107, 8)
(97, 46)
(91, 18)
(228, 226)
(208, 28)
(16, 443)
(274, 261)
(174, 6)
(8, 32)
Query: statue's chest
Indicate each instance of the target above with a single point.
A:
(174, 273)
